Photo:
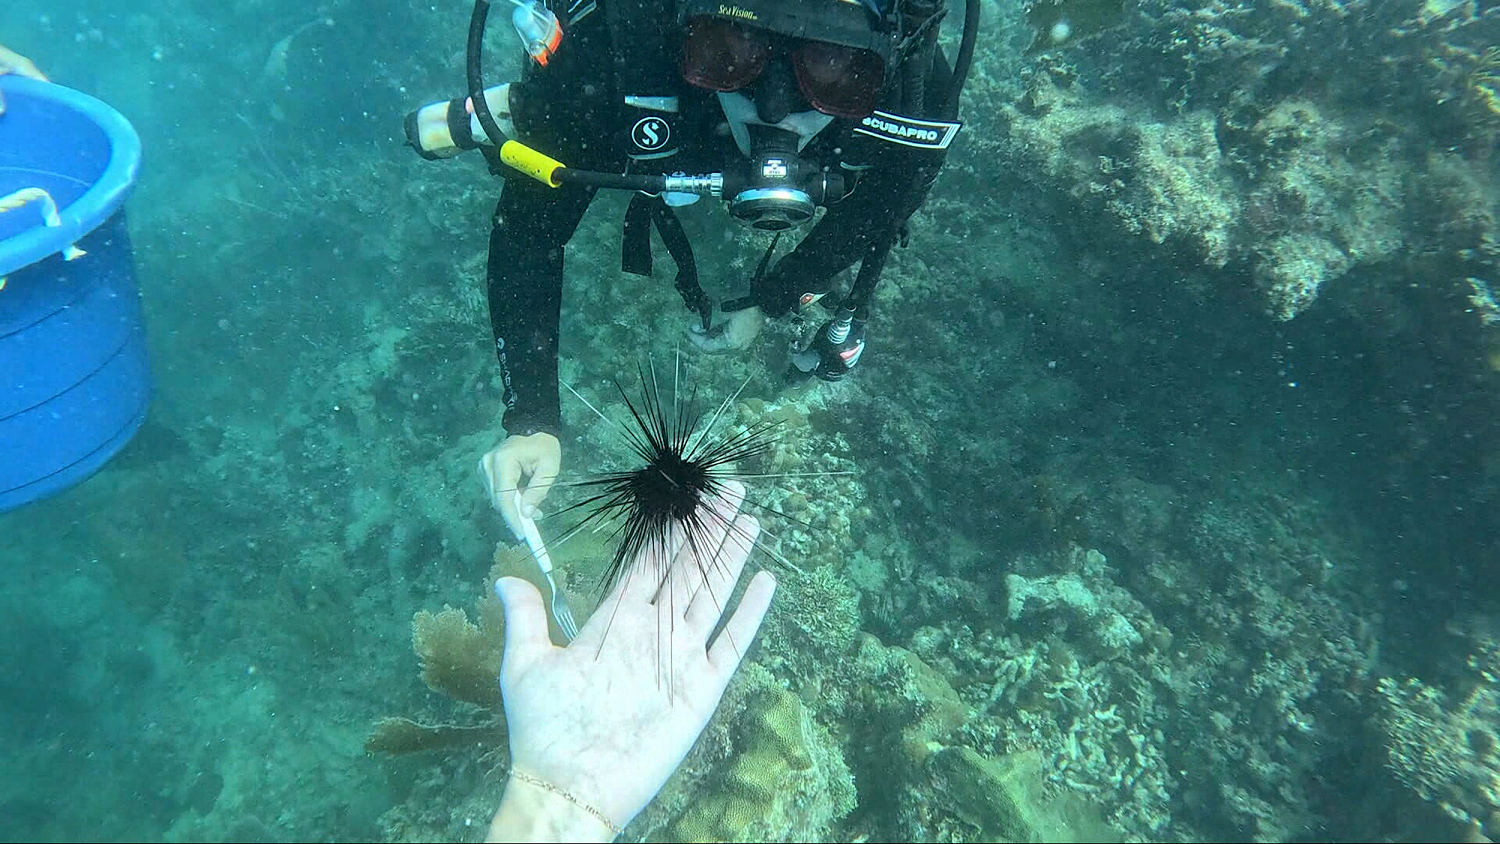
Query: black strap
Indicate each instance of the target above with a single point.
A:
(635, 249)
(870, 267)
(635, 244)
(458, 125)
(678, 246)
(681, 250)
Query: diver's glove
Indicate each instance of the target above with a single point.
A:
(834, 349)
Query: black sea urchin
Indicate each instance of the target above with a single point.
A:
(686, 459)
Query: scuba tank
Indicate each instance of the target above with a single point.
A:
(445, 128)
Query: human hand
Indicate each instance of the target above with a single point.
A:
(538, 457)
(737, 331)
(13, 62)
(610, 717)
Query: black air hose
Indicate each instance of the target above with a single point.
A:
(965, 56)
(474, 53)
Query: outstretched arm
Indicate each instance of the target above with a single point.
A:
(561, 110)
(532, 225)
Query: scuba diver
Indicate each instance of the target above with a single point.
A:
(777, 107)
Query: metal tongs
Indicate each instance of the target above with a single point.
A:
(560, 612)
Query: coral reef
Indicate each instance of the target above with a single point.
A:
(396, 735)
(788, 782)
(913, 746)
(817, 619)
(1444, 747)
(1288, 193)
(1197, 127)
(458, 659)
(1153, 696)
(1108, 534)
(1071, 604)
(1005, 799)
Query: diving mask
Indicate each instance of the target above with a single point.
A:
(836, 79)
(839, 49)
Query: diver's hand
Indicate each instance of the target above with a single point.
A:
(610, 717)
(13, 62)
(538, 457)
(734, 334)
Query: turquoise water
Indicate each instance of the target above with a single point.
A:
(1116, 524)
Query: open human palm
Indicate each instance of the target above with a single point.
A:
(607, 719)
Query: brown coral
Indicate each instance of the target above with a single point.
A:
(788, 780)
(458, 659)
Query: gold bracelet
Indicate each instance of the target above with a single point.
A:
(568, 796)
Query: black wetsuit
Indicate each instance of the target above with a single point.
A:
(570, 110)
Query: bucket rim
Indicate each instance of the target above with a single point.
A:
(101, 200)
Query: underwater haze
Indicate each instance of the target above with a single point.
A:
(1167, 503)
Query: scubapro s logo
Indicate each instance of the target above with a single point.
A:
(651, 133)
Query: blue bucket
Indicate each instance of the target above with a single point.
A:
(74, 384)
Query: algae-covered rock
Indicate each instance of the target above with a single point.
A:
(817, 617)
(1004, 797)
(1443, 747)
(939, 710)
(789, 782)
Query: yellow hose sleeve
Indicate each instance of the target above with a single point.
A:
(518, 156)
